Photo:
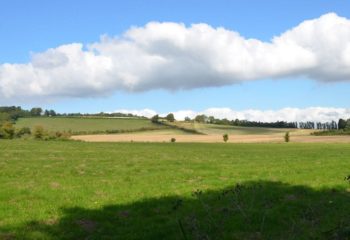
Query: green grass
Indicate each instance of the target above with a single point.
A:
(77, 190)
(76, 124)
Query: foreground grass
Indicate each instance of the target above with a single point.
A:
(81, 124)
(77, 190)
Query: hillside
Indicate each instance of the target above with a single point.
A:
(79, 125)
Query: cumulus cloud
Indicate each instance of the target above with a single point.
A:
(319, 114)
(142, 113)
(174, 56)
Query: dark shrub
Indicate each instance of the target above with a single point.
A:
(287, 137)
(225, 137)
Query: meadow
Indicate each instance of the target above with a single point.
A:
(79, 190)
(80, 125)
(216, 129)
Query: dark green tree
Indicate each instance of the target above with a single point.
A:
(36, 111)
(155, 119)
(52, 113)
(201, 118)
(170, 117)
(341, 123)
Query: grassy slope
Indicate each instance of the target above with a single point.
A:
(75, 190)
(236, 130)
(86, 124)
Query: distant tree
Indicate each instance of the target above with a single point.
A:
(225, 137)
(187, 119)
(46, 113)
(36, 111)
(170, 117)
(52, 113)
(211, 119)
(342, 124)
(155, 119)
(201, 118)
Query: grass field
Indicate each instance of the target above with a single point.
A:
(78, 190)
(77, 125)
(215, 129)
(104, 124)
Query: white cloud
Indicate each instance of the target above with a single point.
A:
(320, 114)
(142, 113)
(174, 56)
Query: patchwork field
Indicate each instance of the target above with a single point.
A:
(79, 190)
(143, 130)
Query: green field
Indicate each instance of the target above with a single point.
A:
(89, 125)
(215, 129)
(81, 125)
(236, 130)
(77, 190)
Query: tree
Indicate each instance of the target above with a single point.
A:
(36, 111)
(187, 119)
(211, 119)
(225, 137)
(155, 119)
(52, 113)
(201, 118)
(170, 117)
(342, 124)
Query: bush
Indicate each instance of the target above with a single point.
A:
(173, 140)
(286, 137)
(38, 132)
(7, 130)
(225, 137)
(62, 135)
(23, 131)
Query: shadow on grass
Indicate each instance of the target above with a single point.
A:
(253, 210)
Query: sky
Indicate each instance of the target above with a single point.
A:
(269, 60)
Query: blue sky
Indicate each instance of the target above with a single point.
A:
(34, 26)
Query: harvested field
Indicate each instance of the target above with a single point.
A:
(208, 138)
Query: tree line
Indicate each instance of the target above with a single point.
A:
(278, 124)
(12, 113)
